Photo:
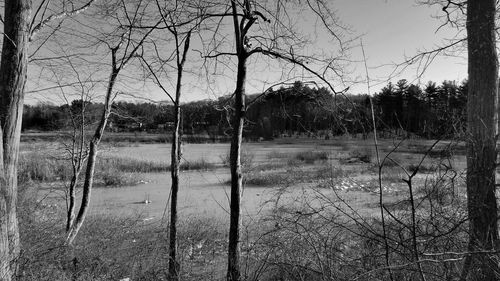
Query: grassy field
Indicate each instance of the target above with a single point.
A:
(298, 189)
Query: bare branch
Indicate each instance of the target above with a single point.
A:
(34, 30)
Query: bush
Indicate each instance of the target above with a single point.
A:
(436, 191)
(131, 165)
(110, 171)
(317, 238)
(118, 247)
(293, 176)
(312, 156)
(35, 166)
(200, 164)
(110, 176)
(277, 155)
(362, 155)
(422, 168)
(442, 153)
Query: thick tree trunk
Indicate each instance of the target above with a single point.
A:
(482, 121)
(5, 272)
(13, 69)
(233, 270)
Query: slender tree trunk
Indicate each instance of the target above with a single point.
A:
(72, 198)
(173, 263)
(77, 163)
(91, 160)
(13, 69)
(240, 29)
(233, 270)
(87, 188)
(482, 121)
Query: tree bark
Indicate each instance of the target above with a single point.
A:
(173, 263)
(482, 121)
(116, 66)
(240, 29)
(87, 189)
(233, 273)
(13, 71)
(78, 157)
(70, 217)
(233, 270)
(92, 157)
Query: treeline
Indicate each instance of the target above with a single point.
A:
(431, 111)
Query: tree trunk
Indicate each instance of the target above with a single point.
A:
(173, 263)
(77, 159)
(87, 188)
(13, 69)
(91, 160)
(5, 272)
(233, 270)
(72, 198)
(482, 121)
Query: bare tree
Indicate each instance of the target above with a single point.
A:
(478, 19)
(482, 130)
(13, 71)
(180, 21)
(20, 27)
(76, 150)
(267, 30)
(121, 54)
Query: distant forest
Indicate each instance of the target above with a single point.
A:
(432, 111)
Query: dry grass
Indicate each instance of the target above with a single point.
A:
(113, 248)
(293, 176)
(110, 171)
(319, 237)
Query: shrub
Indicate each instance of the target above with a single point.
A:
(309, 239)
(118, 247)
(110, 171)
(422, 168)
(201, 164)
(277, 155)
(312, 156)
(292, 176)
(362, 155)
(35, 166)
(436, 191)
(110, 176)
(442, 153)
(388, 164)
(131, 165)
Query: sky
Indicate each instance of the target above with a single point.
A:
(395, 29)
(391, 30)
